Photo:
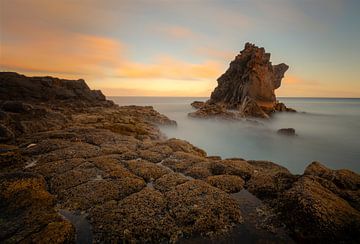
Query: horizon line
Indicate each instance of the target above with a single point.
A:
(209, 97)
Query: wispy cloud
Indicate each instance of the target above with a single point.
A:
(214, 53)
(169, 67)
(178, 32)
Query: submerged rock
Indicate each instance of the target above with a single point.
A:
(248, 86)
(280, 107)
(287, 131)
(216, 111)
(197, 104)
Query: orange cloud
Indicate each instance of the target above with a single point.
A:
(43, 51)
(59, 52)
(168, 67)
(80, 54)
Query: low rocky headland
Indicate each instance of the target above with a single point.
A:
(75, 167)
(246, 89)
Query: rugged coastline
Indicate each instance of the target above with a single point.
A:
(67, 148)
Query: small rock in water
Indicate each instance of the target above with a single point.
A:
(197, 104)
(287, 131)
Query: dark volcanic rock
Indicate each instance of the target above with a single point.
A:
(197, 104)
(5, 134)
(280, 107)
(216, 111)
(287, 131)
(19, 87)
(16, 107)
(248, 85)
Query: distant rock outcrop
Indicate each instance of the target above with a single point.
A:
(248, 85)
(14, 86)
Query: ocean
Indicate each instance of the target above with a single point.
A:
(328, 131)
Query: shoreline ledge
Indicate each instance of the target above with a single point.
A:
(66, 149)
(246, 89)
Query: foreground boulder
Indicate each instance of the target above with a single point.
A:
(322, 205)
(248, 86)
(316, 214)
(27, 211)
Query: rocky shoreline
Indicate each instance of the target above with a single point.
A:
(75, 167)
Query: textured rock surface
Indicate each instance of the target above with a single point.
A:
(194, 203)
(227, 183)
(248, 86)
(27, 211)
(217, 111)
(112, 167)
(316, 214)
(197, 104)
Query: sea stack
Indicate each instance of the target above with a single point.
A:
(247, 87)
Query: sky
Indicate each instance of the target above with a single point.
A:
(180, 48)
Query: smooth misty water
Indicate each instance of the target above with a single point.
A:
(328, 131)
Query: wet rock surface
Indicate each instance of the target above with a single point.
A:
(247, 88)
(110, 168)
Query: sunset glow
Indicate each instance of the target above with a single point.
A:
(180, 48)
